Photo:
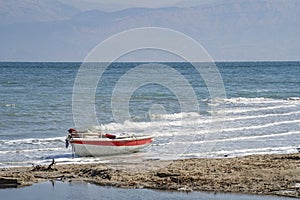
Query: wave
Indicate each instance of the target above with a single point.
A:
(234, 118)
(242, 121)
(13, 105)
(197, 124)
(32, 140)
(17, 151)
(251, 100)
(221, 118)
(261, 126)
(235, 138)
(252, 109)
(174, 116)
(244, 152)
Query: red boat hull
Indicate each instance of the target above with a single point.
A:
(107, 146)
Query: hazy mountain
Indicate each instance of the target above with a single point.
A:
(229, 30)
(17, 11)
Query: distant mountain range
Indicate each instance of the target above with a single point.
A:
(38, 30)
(19, 11)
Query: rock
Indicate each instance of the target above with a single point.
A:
(103, 173)
(8, 183)
(185, 189)
(166, 174)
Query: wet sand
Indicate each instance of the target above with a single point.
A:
(255, 174)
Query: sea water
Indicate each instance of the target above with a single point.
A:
(74, 191)
(259, 114)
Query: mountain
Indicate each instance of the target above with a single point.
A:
(19, 11)
(228, 30)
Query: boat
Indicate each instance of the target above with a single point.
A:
(95, 144)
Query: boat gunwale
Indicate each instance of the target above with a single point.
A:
(129, 138)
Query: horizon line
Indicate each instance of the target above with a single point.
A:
(141, 61)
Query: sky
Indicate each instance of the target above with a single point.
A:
(113, 5)
(229, 30)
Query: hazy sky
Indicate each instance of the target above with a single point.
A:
(37, 30)
(113, 5)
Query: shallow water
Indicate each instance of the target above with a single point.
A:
(74, 191)
(260, 114)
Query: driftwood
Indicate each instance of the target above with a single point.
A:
(44, 168)
(8, 183)
(166, 174)
(50, 166)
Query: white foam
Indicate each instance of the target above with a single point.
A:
(208, 119)
(234, 118)
(259, 126)
(175, 116)
(19, 151)
(236, 138)
(239, 116)
(250, 101)
(252, 109)
(193, 123)
(243, 152)
(32, 140)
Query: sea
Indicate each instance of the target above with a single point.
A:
(77, 191)
(257, 111)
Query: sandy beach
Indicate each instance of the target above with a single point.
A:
(255, 174)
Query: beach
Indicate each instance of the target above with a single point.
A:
(274, 174)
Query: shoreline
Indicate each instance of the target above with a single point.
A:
(271, 174)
